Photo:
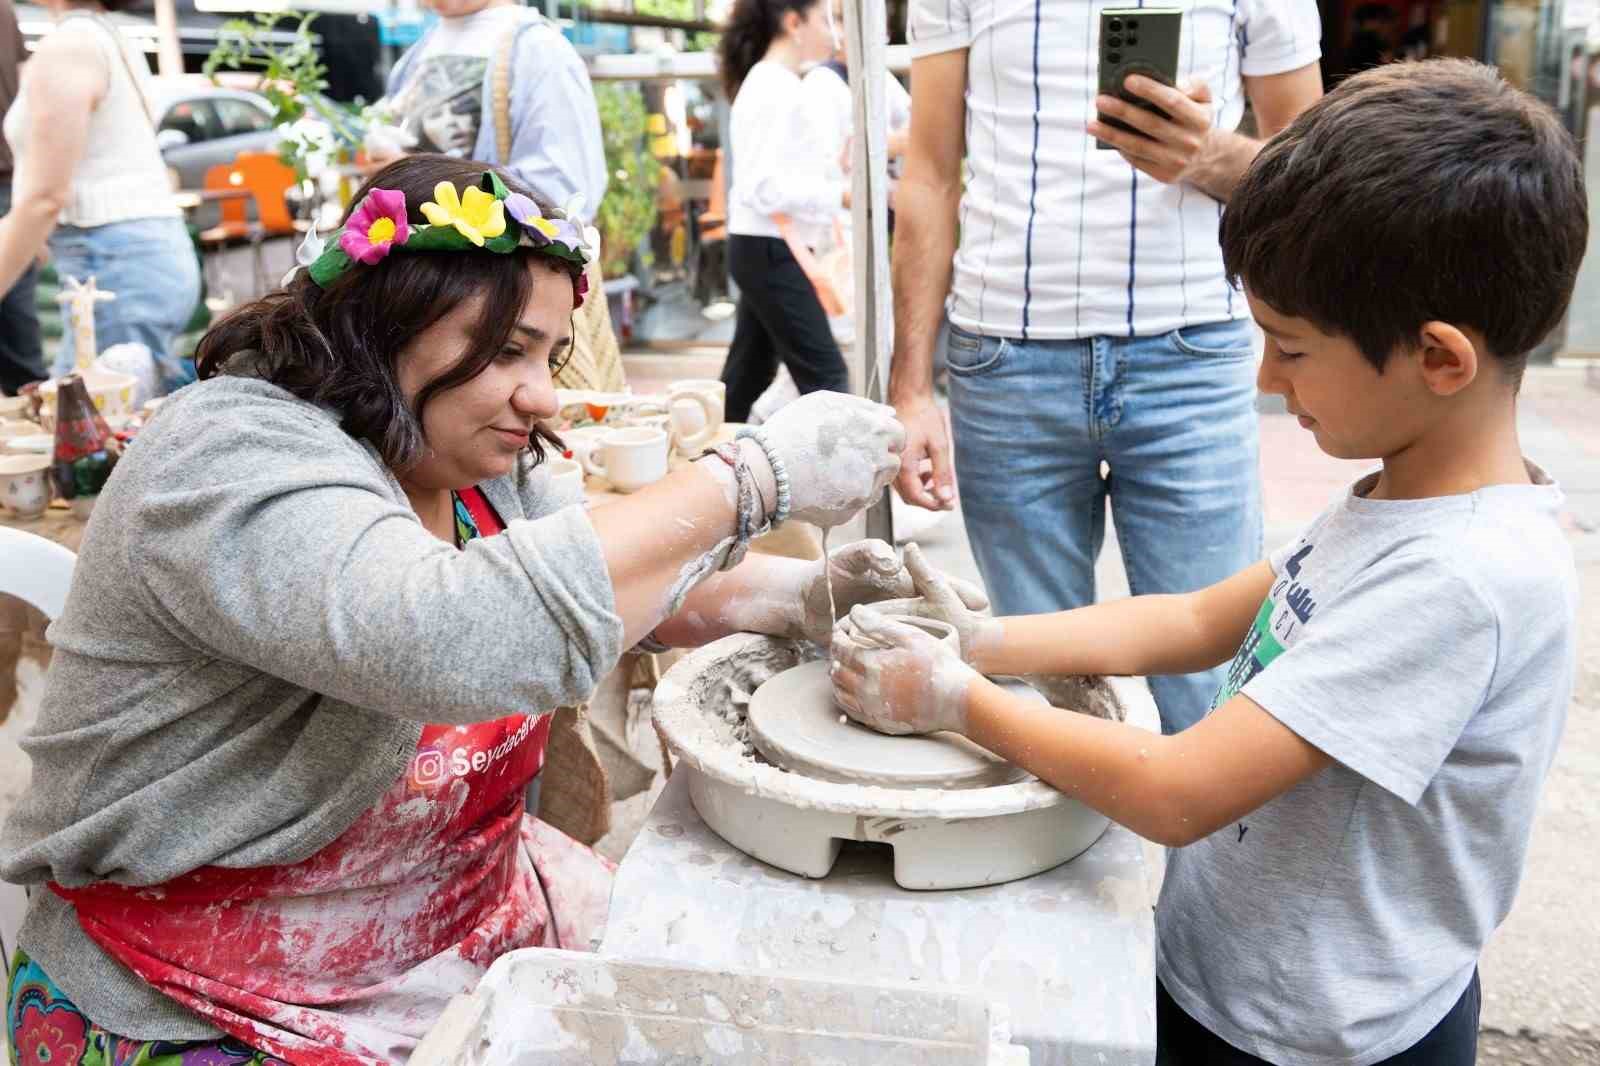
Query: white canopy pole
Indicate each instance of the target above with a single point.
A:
(865, 23)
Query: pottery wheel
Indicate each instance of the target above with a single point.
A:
(795, 724)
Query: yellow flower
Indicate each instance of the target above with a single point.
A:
(546, 227)
(476, 215)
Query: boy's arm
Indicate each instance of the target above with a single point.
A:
(1175, 789)
(1171, 789)
(1138, 636)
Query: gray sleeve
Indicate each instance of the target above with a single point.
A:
(1386, 675)
(555, 124)
(282, 547)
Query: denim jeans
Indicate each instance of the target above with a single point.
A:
(1173, 419)
(150, 264)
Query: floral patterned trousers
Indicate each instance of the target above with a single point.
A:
(45, 1029)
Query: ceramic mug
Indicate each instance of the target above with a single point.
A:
(566, 479)
(25, 484)
(698, 406)
(630, 458)
(660, 422)
(583, 441)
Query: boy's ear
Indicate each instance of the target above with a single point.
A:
(1447, 358)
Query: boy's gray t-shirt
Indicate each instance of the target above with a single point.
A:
(1428, 646)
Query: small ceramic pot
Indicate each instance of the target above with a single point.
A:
(25, 484)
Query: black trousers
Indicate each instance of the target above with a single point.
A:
(21, 353)
(779, 318)
(1182, 1041)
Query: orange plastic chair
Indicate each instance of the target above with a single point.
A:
(269, 179)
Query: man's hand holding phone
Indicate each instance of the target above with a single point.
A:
(1170, 146)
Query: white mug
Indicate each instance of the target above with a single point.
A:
(698, 407)
(630, 458)
(25, 484)
(566, 480)
(583, 441)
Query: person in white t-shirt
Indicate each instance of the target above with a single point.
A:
(1090, 325)
(828, 95)
(781, 179)
(440, 97)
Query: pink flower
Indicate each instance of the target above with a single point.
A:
(580, 289)
(376, 226)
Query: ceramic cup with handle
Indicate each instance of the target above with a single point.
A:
(582, 441)
(25, 484)
(566, 480)
(630, 458)
(697, 406)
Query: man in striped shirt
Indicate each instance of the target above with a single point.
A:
(1091, 328)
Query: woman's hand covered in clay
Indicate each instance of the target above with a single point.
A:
(867, 571)
(946, 599)
(898, 679)
(840, 452)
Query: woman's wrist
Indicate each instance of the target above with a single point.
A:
(755, 456)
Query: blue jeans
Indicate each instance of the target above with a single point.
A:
(1172, 417)
(150, 264)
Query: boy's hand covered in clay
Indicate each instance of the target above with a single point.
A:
(898, 679)
(841, 451)
(868, 572)
(946, 599)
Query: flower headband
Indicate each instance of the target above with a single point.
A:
(456, 223)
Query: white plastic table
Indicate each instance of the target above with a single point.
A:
(1070, 951)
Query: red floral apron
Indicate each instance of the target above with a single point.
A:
(350, 956)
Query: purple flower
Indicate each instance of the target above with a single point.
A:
(375, 227)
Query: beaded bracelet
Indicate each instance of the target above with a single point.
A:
(780, 472)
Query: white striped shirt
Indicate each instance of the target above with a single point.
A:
(1062, 240)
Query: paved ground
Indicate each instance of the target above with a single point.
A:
(1542, 971)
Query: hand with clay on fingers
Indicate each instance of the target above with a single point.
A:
(1167, 147)
(898, 679)
(840, 452)
(867, 572)
(946, 599)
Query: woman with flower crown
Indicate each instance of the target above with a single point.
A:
(321, 611)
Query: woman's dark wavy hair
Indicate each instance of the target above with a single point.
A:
(340, 346)
(748, 33)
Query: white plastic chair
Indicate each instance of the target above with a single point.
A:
(38, 572)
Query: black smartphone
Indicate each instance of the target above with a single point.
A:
(1137, 40)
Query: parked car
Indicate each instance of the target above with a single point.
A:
(200, 125)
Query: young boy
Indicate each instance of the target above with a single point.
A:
(1349, 822)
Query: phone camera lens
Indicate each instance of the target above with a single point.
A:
(1114, 41)
(1133, 24)
(1113, 57)
(1132, 40)
(1116, 25)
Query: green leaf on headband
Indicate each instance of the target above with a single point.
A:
(561, 251)
(491, 183)
(330, 264)
(438, 239)
(507, 241)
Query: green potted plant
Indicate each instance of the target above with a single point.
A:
(628, 212)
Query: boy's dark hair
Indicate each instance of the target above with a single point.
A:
(340, 346)
(1415, 192)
